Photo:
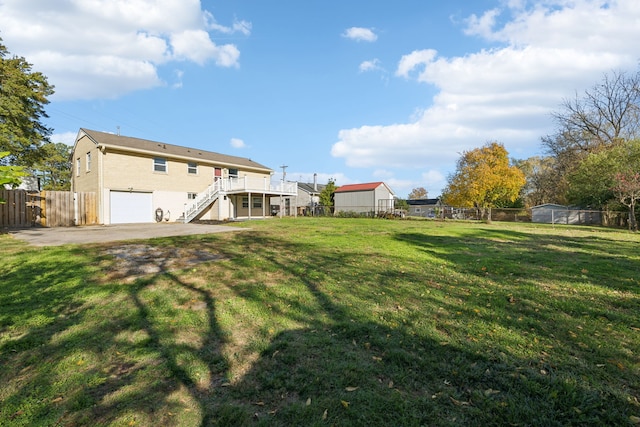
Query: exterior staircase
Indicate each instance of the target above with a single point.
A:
(202, 202)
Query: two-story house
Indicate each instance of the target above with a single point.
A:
(138, 180)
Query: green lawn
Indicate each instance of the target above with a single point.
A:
(328, 322)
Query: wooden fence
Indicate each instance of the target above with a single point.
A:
(47, 209)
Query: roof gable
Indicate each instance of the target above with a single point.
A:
(369, 186)
(308, 187)
(127, 143)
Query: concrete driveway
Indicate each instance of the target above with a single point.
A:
(112, 233)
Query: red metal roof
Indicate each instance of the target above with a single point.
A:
(359, 187)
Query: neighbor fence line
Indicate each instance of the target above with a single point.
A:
(548, 216)
(47, 209)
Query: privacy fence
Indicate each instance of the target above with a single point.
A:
(47, 209)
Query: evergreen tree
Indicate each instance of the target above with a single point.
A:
(23, 95)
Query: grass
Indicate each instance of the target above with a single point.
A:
(341, 322)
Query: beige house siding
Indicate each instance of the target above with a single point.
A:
(82, 179)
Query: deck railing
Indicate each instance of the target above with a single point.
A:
(260, 185)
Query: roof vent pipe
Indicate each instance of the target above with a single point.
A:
(315, 182)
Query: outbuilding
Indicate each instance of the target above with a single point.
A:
(551, 213)
(372, 198)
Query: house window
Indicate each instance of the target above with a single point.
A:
(78, 166)
(245, 202)
(159, 164)
(89, 162)
(233, 173)
(192, 168)
(192, 196)
(257, 202)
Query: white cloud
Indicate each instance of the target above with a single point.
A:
(372, 65)
(360, 34)
(106, 48)
(68, 138)
(506, 93)
(196, 46)
(243, 27)
(179, 75)
(382, 173)
(483, 25)
(237, 143)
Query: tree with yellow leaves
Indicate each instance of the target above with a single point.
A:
(484, 179)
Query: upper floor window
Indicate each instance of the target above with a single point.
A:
(192, 196)
(88, 161)
(192, 168)
(159, 164)
(233, 173)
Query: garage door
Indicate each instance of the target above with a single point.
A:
(128, 207)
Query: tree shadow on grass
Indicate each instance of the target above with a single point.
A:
(76, 350)
(340, 367)
(351, 371)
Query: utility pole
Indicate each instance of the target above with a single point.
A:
(284, 175)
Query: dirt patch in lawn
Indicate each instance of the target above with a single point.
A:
(129, 262)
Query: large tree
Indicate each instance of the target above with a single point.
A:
(418, 193)
(608, 112)
(55, 168)
(609, 175)
(23, 95)
(484, 179)
(543, 183)
(602, 116)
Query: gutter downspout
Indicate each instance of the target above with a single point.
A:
(101, 151)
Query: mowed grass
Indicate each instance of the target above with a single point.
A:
(329, 322)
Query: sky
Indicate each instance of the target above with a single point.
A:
(355, 91)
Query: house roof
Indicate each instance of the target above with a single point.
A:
(128, 143)
(369, 186)
(308, 187)
(550, 206)
(422, 202)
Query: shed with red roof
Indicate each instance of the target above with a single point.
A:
(372, 198)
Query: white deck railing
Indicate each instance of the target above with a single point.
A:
(259, 185)
(237, 185)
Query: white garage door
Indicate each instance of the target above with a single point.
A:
(128, 207)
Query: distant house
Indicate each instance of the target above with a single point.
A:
(425, 208)
(138, 180)
(371, 198)
(308, 200)
(550, 213)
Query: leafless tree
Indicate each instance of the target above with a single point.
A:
(607, 113)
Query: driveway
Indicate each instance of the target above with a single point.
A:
(112, 233)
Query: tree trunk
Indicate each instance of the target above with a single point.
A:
(633, 224)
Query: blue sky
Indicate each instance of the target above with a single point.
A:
(356, 90)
